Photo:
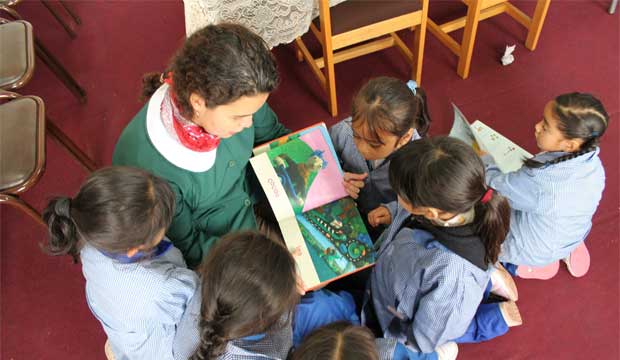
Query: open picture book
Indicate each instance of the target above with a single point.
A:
(507, 155)
(302, 178)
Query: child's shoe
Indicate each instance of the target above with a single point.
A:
(578, 262)
(510, 313)
(447, 351)
(502, 283)
(538, 272)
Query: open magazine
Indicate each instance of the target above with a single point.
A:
(302, 178)
(507, 155)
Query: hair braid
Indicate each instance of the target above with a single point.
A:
(212, 341)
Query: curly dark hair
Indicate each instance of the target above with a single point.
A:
(221, 63)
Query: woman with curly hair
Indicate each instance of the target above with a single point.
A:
(197, 131)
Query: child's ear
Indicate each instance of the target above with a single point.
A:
(405, 138)
(431, 213)
(571, 145)
(133, 251)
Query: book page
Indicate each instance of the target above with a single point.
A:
(461, 128)
(336, 239)
(284, 139)
(507, 155)
(307, 169)
(272, 186)
(297, 246)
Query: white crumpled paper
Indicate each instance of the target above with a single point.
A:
(508, 59)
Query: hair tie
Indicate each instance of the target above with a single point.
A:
(595, 133)
(63, 207)
(411, 84)
(487, 196)
(166, 77)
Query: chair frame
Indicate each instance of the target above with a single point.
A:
(11, 196)
(56, 133)
(478, 10)
(51, 61)
(377, 36)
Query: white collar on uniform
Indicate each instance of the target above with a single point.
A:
(168, 147)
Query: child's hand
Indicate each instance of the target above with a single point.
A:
(378, 216)
(353, 183)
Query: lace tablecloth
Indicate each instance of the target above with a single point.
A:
(277, 21)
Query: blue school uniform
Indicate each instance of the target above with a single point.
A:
(316, 309)
(377, 190)
(424, 294)
(140, 300)
(552, 207)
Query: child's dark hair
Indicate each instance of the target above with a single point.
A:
(388, 104)
(249, 286)
(580, 116)
(446, 174)
(116, 209)
(221, 63)
(338, 341)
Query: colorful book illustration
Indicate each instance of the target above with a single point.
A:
(507, 155)
(302, 178)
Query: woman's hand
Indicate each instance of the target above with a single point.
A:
(353, 183)
(378, 216)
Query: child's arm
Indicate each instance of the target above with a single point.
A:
(184, 233)
(153, 338)
(519, 187)
(443, 313)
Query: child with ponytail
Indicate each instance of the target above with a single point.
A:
(434, 261)
(555, 194)
(137, 283)
(249, 304)
(387, 114)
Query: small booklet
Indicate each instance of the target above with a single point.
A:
(507, 155)
(302, 178)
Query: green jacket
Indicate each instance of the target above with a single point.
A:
(209, 204)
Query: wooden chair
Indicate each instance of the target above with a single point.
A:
(16, 68)
(359, 27)
(478, 10)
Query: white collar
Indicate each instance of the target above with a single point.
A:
(168, 147)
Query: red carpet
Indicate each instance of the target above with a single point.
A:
(43, 311)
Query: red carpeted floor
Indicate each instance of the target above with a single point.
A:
(43, 311)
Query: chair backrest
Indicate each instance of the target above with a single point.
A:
(17, 58)
(22, 142)
(355, 21)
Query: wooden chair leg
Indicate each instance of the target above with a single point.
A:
(70, 11)
(59, 18)
(23, 206)
(419, 39)
(68, 144)
(537, 23)
(330, 83)
(299, 54)
(469, 38)
(59, 71)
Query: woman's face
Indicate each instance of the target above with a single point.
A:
(228, 119)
